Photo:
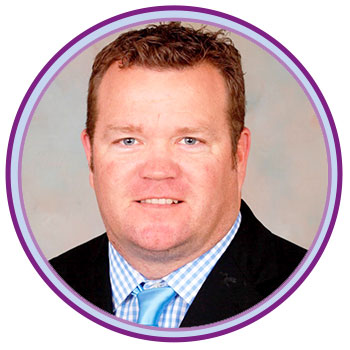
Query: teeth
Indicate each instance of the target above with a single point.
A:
(160, 201)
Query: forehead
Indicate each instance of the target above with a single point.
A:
(137, 92)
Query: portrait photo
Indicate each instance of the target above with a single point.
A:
(175, 174)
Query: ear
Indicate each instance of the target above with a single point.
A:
(243, 147)
(85, 139)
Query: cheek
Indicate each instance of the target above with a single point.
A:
(220, 185)
(111, 169)
(107, 176)
(205, 181)
(119, 179)
(210, 176)
(217, 175)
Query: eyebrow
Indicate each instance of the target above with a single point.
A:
(123, 129)
(193, 130)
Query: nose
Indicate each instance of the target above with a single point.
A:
(159, 164)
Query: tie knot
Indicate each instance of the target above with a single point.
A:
(152, 302)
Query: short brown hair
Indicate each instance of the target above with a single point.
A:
(173, 46)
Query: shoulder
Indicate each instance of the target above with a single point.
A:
(266, 259)
(81, 259)
(86, 270)
(261, 240)
(88, 251)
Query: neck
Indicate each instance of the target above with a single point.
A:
(158, 264)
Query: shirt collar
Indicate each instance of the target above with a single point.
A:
(124, 278)
(186, 281)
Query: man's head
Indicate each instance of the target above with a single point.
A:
(166, 182)
(172, 46)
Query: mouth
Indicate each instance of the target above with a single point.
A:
(160, 201)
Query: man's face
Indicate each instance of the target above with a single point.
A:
(164, 173)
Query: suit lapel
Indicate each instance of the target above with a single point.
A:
(226, 292)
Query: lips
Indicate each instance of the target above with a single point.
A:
(160, 201)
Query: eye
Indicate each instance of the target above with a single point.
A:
(129, 141)
(189, 141)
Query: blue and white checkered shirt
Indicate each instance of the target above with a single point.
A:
(186, 282)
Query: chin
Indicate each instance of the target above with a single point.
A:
(158, 238)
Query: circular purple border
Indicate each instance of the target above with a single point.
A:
(190, 9)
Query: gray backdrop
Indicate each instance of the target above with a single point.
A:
(286, 183)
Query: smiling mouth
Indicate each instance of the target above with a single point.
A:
(161, 201)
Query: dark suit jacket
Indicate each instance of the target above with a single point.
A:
(255, 264)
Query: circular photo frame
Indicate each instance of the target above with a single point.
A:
(114, 25)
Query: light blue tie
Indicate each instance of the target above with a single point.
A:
(152, 302)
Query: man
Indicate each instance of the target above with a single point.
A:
(167, 151)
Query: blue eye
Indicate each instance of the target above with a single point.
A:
(189, 140)
(129, 141)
